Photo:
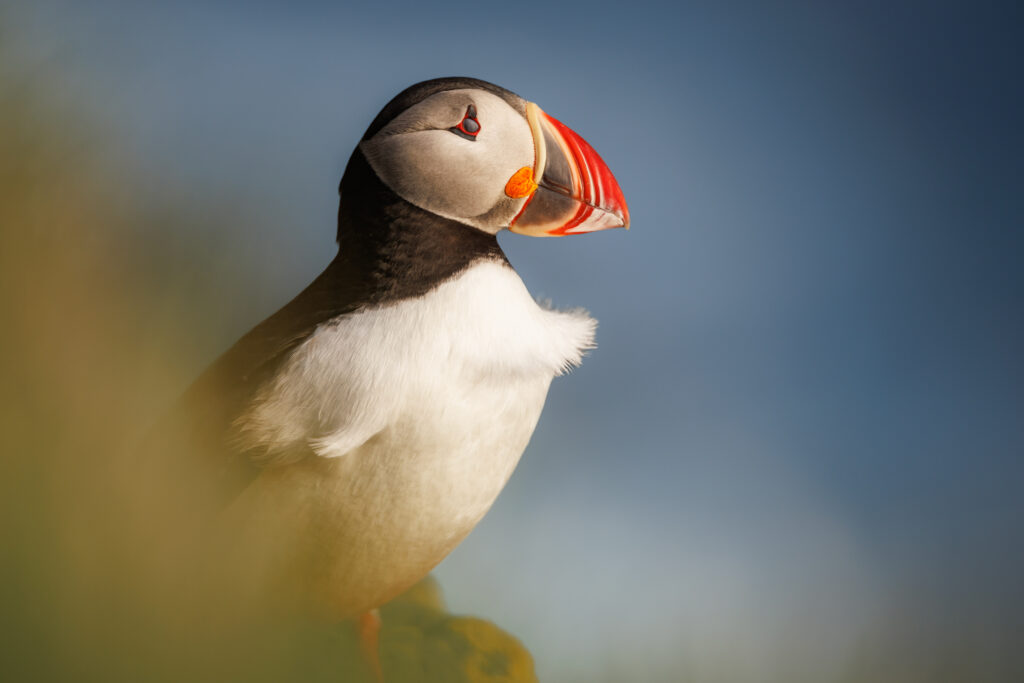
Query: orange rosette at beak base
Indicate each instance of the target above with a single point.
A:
(521, 183)
(575, 190)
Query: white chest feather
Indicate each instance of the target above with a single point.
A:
(418, 411)
(436, 364)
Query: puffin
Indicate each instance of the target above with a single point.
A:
(357, 435)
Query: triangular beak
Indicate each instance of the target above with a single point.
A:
(575, 190)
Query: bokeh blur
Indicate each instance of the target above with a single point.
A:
(796, 455)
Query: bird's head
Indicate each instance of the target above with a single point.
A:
(473, 152)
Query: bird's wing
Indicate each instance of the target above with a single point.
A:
(200, 425)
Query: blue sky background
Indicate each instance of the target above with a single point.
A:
(798, 447)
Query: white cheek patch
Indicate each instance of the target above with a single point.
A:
(431, 167)
(437, 171)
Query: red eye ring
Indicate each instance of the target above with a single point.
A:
(469, 127)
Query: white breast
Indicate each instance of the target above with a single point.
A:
(477, 333)
(420, 411)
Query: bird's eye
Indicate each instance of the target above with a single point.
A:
(469, 126)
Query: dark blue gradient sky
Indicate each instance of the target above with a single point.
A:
(799, 443)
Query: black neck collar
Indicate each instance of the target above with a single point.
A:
(391, 250)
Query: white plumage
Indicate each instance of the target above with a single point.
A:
(419, 411)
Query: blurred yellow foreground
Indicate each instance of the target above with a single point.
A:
(100, 580)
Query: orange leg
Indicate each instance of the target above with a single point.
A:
(369, 642)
